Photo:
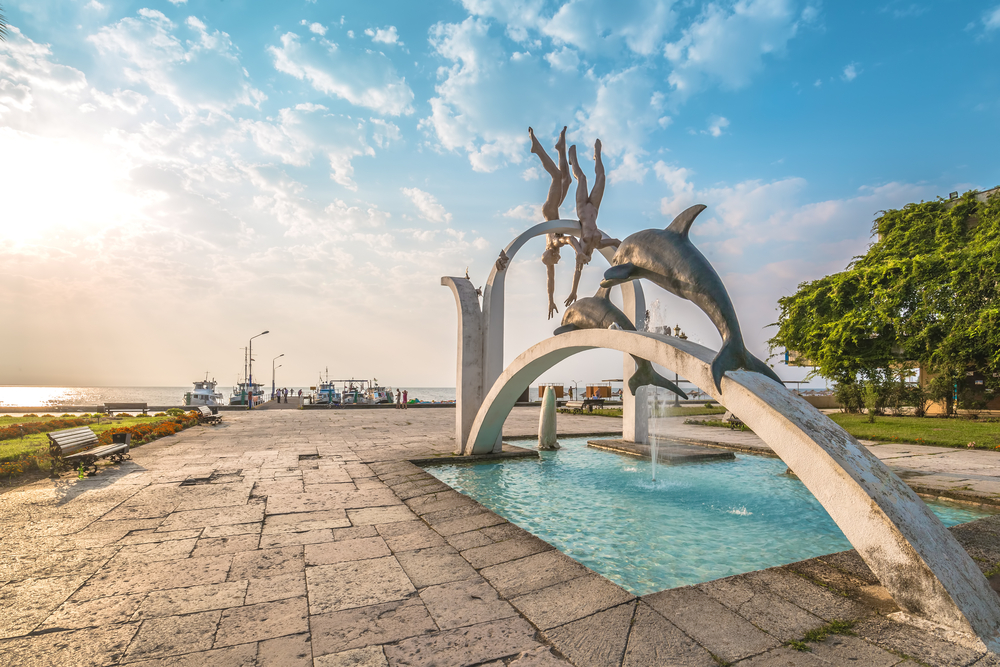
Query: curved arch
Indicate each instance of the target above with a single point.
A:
(913, 555)
(493, 322)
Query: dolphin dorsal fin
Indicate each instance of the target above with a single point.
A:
(682, 223)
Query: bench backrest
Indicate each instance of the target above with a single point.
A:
(125, 406)
(73, 439)
(205, 410)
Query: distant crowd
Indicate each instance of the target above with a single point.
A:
(283, 394)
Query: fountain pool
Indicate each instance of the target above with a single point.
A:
(695, 523)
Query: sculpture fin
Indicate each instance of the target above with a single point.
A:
(617, 274)
(645, 375)
(734, 356)
(566, 328)
(682, 223)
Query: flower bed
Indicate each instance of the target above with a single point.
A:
(29, 428)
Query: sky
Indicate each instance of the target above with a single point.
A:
(178, 176)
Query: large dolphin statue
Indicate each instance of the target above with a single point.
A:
(597, 312)
(668, 258)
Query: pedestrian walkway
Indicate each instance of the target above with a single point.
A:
(966, 474)
(293, 404)
(309, 538)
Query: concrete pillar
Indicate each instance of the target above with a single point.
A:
(469, 378)
(639, 422)
(547, 422)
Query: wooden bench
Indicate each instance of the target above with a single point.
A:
(112, 408)
(76, 446)
(587, 404)
(207, 416)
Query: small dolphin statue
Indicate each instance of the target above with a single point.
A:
(597, 312)
(668, 258)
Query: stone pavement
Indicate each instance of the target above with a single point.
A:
(308, 538)
(972, 475)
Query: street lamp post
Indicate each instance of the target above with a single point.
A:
(680, 334)
(272, 371)
(250, 373)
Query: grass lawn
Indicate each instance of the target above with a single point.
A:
(36, 445)
(923, 431)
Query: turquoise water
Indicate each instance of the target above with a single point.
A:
(697, 522)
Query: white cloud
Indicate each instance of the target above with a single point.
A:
(202, 72)
(626, 108)
(299, 134)
(178, 2)
(475, 109)
(565, 59)
(850, 72)
(716, 126)
(728, 45)
(530, 212)
(991, 19)
(531, 174)
(95, 5)
(316, 28)
(366, 79)
(630, 169)
(384, 35)
(427, 204)
(587, 25)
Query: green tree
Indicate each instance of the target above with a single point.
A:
(927, 291)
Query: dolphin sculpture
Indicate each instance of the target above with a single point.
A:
(597, 312)
(668, 258)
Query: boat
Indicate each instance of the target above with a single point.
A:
(204, 393)
(240, 391)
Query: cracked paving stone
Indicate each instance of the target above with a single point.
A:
(570, 600)
(370, 656)
(435, 565)
(356, 584)
(465, 646)
(194, 599)
(346, 550)
(460, 603)
(266, 620)
(102, 645)
(364, 626)
(174, 635)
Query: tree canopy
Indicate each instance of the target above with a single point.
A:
(927, 291)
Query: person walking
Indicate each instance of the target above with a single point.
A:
(404, 399)
(399, 400)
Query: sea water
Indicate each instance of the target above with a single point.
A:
(37, 396)
(697, 522)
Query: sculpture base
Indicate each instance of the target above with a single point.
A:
(668, 451)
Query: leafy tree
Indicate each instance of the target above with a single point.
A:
(927, 291)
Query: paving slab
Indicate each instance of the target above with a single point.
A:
(597, 640)
(366, 626)
(465, 646)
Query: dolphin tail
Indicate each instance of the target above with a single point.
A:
(566, 328)
(734, 356)
(645, 375)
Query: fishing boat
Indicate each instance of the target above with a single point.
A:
(242, 389)
(204, 393)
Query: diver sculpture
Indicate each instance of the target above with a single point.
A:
(550, 209)
(597, 312)
(587, 205)
(668, 258)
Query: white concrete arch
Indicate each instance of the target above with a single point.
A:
(923, 567)
(480, 358)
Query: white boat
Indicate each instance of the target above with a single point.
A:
(241, 390)
(204, 393)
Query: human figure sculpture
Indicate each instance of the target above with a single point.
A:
(561, 180)
(587, 205)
